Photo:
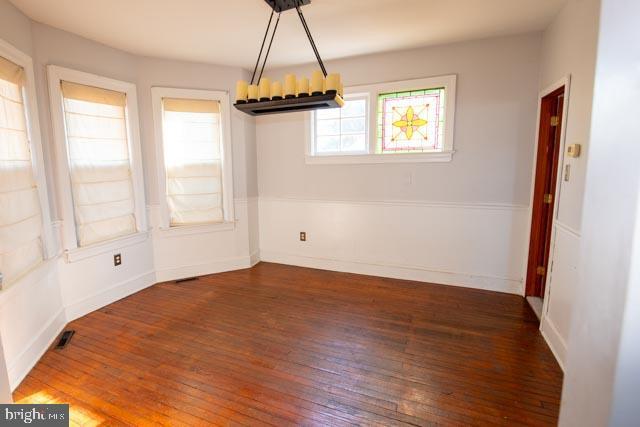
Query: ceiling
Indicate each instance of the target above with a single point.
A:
(230, 31)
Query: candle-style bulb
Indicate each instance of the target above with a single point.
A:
(253, 93)
(290, 86)
(265, 89)
(276, 91)
(242, 91)
(317, 83)
(333, 83)
(302, 87)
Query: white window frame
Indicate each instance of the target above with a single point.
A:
(448, 82)
(157, 94)
(69, 236)
(367, 130)
(15, 55)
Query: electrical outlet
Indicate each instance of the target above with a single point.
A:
(303, 236)
(117, 259)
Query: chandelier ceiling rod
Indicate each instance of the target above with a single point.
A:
(262, 47)
(310, 37)
(305, 26)
(269, 48)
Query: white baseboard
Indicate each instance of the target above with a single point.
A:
(416, 273)
(218, 266)
(36, 347)
(109, 295)
(554, 340)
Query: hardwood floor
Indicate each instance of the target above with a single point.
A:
(286, 345)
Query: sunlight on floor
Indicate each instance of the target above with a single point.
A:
(79, 416)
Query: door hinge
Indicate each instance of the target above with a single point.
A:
(555, 121)
(540, 270)
(548, 198)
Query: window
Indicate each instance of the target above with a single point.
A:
(103, 197)
(99, 162)
(24, 214)
(411, 121)
(194, 146)
(342, 130)
(20, 218)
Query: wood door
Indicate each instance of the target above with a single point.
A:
(544, 193)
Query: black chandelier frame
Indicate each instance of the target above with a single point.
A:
(299, 103)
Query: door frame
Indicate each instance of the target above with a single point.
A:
(566, 82)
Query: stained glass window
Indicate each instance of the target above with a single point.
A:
(411, 121)
(342, 130)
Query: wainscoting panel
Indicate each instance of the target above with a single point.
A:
(179, 253)
(31, 316)
(473, 245)
(561, 289)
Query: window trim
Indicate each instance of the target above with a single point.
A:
(157, 93)
(7, 50)
(69, 235)
(373, 90)
(348, 97)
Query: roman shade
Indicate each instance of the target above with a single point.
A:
(99, 162)
(20, 213)
(193, 160)
(11, 72)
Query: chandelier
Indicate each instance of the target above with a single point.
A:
(266, 97)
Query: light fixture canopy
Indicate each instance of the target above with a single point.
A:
(283, 5)
(257, 100)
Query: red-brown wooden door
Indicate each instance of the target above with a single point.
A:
(544, 193)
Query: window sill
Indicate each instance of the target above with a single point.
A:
(77, 254)
(440, 157)
(187, 230)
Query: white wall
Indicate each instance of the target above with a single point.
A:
(35, 309)
(15, 28)
(31, 316)
(462, 222)
(5, 387)
(179, 255)
(495, 120)
(602, 378)
(31, 311)
(569, 48)
(201, 253)
(91, 282)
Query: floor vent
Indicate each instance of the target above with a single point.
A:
(186, 279)
(65, 338)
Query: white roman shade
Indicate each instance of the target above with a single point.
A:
(99, 163)
(20, 213)
(193, 160)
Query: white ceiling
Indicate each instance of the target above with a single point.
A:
(230, 31)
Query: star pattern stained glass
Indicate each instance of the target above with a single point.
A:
(411, 121)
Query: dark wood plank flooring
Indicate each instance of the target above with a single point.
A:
(284, 345)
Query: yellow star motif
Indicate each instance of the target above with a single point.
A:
(409, 123)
